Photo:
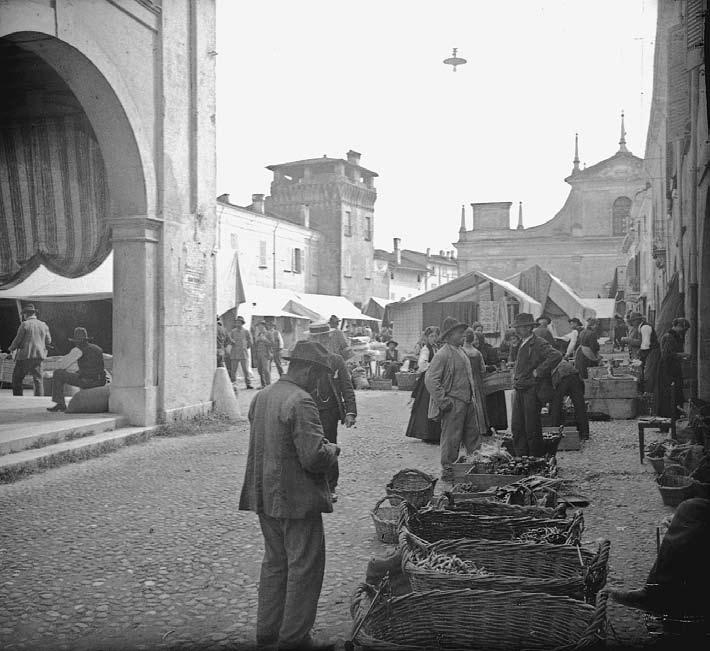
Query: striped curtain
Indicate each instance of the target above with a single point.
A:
(53, 199)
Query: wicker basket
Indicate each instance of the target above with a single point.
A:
(658, 464)
(531, 567)
(454, 501)
(385, 519)
(406, 381)
(497, 381)
(433, 524)
(675, 487)
(378, 384)
(477, 619)
(414, 486)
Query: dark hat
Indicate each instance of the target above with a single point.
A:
(392, 342)
(80, 334)
(451, 324)
(319, 328)
(635, 315)
(310, 353)
(333, 318)
(575, 320)
(541, 317)
(28, 309)
(241, 319)
(523, 319)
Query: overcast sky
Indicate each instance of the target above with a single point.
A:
(301, 79)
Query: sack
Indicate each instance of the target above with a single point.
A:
(90, 401)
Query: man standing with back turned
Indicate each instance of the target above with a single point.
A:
(31, 344)
(286, 484)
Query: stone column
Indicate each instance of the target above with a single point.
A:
(134, 390)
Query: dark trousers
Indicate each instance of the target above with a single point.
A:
(526, 425)
(245, 370)
(62, 377)
(263, 366)
(291, 579)
(277, 362)
(571, 386)
(329, 419)
(24, 367)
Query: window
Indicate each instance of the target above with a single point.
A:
(620, 216)
(368, 228)
(296, 261)
(347, 265)
(348, 224)
(314, 260)
(262, 254)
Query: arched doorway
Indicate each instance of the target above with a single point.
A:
(704, 310)
(76, 182)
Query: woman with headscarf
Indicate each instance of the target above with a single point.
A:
(495, 402)
(420, 426)
(669, 383)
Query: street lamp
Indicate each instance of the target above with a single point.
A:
(454, 60)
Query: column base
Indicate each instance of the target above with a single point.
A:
(138, 404)
(186, 412)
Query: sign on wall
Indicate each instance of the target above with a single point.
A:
(488, 315)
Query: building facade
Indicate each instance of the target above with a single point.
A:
(336, 198)
(581, 244)
(110, 109)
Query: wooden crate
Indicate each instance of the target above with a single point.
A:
(378, 384)
(616, 408)
(611, 387)
(484, 481)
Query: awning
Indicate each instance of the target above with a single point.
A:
(264, 301)
(604, 308)
(375, 307)
(45, 285)
(318, 307)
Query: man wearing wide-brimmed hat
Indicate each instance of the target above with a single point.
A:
(454, 397)
(534, 362)
(332, 338)
(91, 371)
(286, 484)
(31, 344)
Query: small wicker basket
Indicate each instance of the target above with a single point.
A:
(413, 486)
(406, 381)
(378, 384)
(675, 486)
(658, 464)
(385, 519)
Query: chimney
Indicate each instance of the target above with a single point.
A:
(441, 253)
(306, 215)
(397, 251)
(353, 157)
(428, 253)
(257, 203)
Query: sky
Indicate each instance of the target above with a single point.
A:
(302, 79)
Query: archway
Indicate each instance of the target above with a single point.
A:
(703, 334)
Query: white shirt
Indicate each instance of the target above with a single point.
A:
(571, 337)
(646, 331)
(423, 360)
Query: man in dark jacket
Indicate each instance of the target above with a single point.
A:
(286, 484)
(335, 399)
(566, 382)
(31, 344)
(543, 331)
(535, 360)
(91, 370)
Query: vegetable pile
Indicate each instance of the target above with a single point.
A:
(449, 563)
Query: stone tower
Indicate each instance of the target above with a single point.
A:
(336, 197)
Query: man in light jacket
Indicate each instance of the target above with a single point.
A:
(286, 484)
(450, 383)
(31, 344)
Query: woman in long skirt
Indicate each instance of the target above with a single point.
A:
(478, 369)
(669, 379)
(420, 425)
(495, 402)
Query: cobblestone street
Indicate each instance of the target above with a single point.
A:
(145, 548)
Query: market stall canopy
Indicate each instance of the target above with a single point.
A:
(320, 306)
(265, 301)
(44, 285)
(603, 308)
(375, 307)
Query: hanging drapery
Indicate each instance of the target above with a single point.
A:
(53, 198)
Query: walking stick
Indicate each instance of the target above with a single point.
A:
(350, 644)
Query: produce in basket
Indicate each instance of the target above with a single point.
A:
(567, 534)
(448, 563)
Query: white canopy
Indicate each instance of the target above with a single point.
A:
(604, 308)
(45, 285)
(321, 306)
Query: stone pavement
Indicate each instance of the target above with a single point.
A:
(144, 548)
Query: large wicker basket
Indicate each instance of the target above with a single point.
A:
(432, 524)
(488, 620)
(675, 488)
(455, 501)
(531, 567)
(497, 381)
(406, 381)
(414, 486)
(385, 519)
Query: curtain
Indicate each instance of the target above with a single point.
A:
(53, 199)
(433, 314)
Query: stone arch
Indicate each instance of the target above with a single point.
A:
(703, 334)
(620, 214)
(128, 173)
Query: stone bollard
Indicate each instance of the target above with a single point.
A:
(225, 401)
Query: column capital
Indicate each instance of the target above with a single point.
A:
(135, 228)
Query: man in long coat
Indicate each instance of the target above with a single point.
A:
(31, 344)
(286, 484)
(454, 396)
(535, 359)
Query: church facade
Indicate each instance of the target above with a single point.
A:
(581, 244)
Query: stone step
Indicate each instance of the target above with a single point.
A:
(14, 466)
(32, 435)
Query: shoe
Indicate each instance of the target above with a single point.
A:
(57, 407)
(334, 497)
(632, 598)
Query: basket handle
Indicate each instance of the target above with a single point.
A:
(414, 471)
(446, 495)
(387, 497)
(596, 630)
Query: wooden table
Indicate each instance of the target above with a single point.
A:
(653, 422)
